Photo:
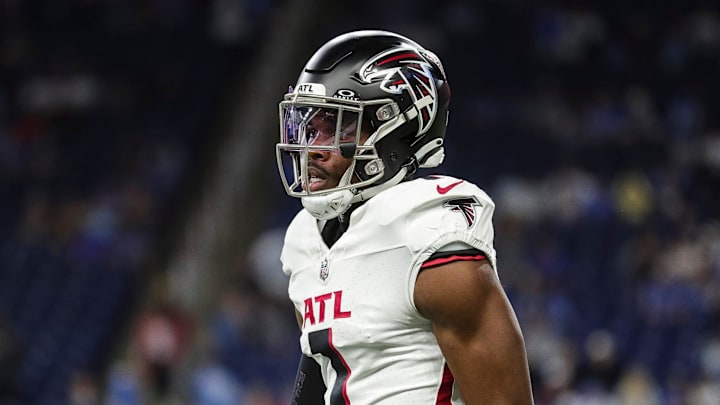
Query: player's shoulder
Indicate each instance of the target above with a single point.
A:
(435, 211)
(434, 188)
(298, 236)
(301, 224)
(425, 194)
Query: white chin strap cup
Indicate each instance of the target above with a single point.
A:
(328, 206)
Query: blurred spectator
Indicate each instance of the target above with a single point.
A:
(637, 386)
(213, 384)
(162, 338)
(84, 390)
(124, 383)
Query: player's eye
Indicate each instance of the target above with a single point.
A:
(311, 134)
(348, 132)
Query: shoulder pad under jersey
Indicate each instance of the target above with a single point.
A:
(439, 210)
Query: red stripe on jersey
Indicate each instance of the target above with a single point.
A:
(444, 395)
(450, 259)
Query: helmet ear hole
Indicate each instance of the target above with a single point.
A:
(373, 167)
(434, 158)
(431, 154)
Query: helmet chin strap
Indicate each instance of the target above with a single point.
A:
(332, 205)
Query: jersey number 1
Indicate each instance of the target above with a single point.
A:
(321, 343)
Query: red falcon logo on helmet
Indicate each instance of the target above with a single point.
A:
(466, 207)
(400, 69)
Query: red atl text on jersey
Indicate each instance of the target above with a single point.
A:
(315, 308)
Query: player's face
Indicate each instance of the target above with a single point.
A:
(327, 166)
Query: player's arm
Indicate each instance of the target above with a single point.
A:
(309, 386)
(477, 331)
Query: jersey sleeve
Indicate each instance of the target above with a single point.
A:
(460, 217)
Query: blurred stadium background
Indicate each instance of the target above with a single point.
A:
(141, 215)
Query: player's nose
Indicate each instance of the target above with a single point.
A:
(319, 154)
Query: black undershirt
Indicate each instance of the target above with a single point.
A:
(334, 228)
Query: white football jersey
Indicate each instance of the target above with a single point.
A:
(356, 298)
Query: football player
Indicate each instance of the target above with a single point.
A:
(394, 278)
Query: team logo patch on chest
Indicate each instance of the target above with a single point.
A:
(324, 269)
(466, 207)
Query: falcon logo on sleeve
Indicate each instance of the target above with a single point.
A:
(466, 207)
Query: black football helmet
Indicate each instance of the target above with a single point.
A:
(386, 97)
